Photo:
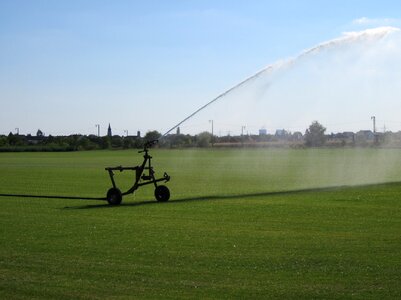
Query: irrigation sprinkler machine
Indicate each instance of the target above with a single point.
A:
(144, 175)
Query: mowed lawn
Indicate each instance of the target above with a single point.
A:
(320, 223)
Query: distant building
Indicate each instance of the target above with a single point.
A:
(109, 134)
(367, 135)
(262, 132)
(178, 130)
(33, 140)
(348, 135)
(281, 133)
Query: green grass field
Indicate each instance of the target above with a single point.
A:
(240, 224)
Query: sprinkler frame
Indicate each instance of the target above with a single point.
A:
(162, 193)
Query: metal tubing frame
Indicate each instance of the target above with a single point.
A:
(146, 165)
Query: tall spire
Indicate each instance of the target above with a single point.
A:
(109, 131)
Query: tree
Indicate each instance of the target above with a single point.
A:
(105, 142)
(116, 141)
(3, 140)
(203, 139)
(128, 143)
(152, 135)
(178, 140)
(15, 140)
(39, 133)
(314, 136)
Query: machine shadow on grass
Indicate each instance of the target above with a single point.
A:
(200, 198)
(208, 198)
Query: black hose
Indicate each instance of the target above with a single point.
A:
(52, 197)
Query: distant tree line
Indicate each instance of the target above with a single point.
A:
(75, 142)
(315, 136)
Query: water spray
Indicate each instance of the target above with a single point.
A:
(349, 37)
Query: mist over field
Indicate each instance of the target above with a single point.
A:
(341, 83)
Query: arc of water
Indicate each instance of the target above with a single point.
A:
(374, 34)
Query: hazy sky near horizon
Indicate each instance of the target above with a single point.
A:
(146, 65)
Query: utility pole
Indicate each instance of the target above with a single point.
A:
(374, 123)
(212, 139)
(242, 130)
(242, 135)
(376, 136)
(98, 129)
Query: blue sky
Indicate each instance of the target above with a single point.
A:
(141, 65)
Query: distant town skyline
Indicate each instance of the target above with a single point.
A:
(219, 133)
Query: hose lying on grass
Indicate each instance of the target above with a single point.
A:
(52, 197)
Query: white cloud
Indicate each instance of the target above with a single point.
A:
(375, 21)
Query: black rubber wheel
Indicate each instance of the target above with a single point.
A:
(114, 196)
(162, 193)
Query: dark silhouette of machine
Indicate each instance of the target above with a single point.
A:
(144, 175)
